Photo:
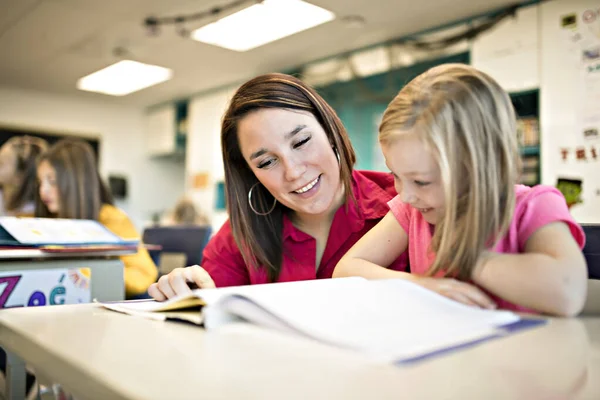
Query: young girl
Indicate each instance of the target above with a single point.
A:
(17, 174)
(471, 233)
(70, 187)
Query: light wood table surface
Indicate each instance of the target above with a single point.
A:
(99, 354)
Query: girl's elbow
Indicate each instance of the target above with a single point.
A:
(568, 307)
(570, 298)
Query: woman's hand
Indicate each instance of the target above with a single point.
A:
(178, 281)
(462, 292)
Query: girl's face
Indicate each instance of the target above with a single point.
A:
(290, 154)
(417, 176)
(8, 164)
(48, 186)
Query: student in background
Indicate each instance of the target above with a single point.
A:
(295, 203)
(18, 183)
(186, 213)
(70, 187)
(472, 234)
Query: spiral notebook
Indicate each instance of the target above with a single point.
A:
(394, 319)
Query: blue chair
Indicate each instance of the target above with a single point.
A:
(188, 240)
(591, 251)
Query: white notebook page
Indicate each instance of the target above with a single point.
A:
(389, 318)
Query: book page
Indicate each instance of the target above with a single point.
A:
(389, 318)
(140, 309)
(151, 306)
(196, 298)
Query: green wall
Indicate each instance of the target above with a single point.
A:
(359, 104)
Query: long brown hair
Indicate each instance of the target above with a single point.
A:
(468, 122)
(258, 237)
(81, 190)
(27, 150)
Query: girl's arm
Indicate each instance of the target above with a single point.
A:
(551, 276)
(377, 249)
(383, 244)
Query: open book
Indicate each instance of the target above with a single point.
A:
(392, 319)
(58, 232)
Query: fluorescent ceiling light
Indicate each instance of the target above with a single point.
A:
(123, 78)
(262, 23)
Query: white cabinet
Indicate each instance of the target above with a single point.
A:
(509, 51)
(161, 131)
(166, 130)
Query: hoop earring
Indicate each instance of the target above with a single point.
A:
(254, 209)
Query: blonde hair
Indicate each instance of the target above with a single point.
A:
(187, 213)
(467, 121)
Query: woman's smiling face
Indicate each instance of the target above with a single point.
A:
(291, 156)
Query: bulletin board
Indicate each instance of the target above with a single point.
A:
(570, 103)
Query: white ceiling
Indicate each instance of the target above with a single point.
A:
(48, 44)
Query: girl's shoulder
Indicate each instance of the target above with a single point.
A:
(538, 206)
(526, 193)
(531, 198)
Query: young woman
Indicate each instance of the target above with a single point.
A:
(70, 187)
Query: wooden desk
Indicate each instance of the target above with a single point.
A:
(99, 354)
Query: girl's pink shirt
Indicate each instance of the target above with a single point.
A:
(535, 207)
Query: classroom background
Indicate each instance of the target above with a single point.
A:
(158, 144)
(145, 83)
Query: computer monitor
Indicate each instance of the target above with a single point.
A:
(187, 239)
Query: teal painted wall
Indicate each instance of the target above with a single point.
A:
(359, 105)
